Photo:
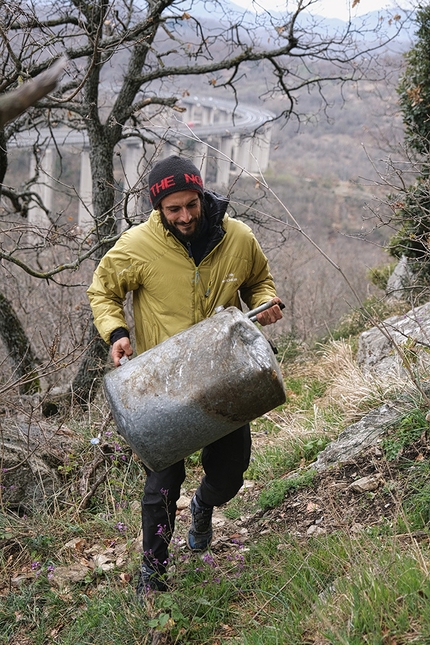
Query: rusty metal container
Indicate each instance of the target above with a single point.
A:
(194, 388)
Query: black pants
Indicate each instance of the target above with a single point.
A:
(224, 463)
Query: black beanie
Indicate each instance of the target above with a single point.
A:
(172, 175)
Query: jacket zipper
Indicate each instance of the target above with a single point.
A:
(196, 272)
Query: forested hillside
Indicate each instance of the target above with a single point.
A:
(330, 169)
(322, 170)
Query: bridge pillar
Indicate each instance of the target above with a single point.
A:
(207, 115)
(224, 161)
(37, 216)
(85, 212)
(259, 152)
(241, 152)
(251, 152)
(191, 113)
(265, 147)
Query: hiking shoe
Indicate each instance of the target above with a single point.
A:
(200, 533)
(149, 580)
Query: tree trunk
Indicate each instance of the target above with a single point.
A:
(18, 347)
(91, 369)
(3, 156)
(92, 366)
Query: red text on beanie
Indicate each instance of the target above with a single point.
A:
(172, 175)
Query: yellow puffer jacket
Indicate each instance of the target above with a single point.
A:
(169, 292)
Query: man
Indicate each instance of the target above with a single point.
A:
(185, 261)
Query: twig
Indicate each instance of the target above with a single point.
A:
(86, 499)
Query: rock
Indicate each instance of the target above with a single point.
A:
(247, 485)
(218, 519)
(22, 579)
(360, 435)
(410, 331)
(135, 506)
(315, 531)
(377, 353)
(183, 502)
(137, 544)
(31, 455)
(366, 484)
(64, 577)
(401, 281)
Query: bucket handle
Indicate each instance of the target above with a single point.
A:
(252, 315)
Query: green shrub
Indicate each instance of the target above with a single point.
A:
(409, 430)
(275, 493)
(361, 318)
(289, 347)
(379, 275)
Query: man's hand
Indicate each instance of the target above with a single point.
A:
(271, 315)
(121, 348)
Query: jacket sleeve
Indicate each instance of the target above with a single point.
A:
(113, 278)
(259, 286)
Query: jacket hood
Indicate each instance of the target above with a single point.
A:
(215, 206)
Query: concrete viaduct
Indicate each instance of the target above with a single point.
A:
(220, 138)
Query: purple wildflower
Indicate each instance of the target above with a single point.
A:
(121, 527)
(209, 559)
(160, 529)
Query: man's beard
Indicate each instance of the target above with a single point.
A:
(183, 237)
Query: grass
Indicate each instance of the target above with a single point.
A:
(407, 431)
(331, 590)
(275, 492)
(361, 318)
(336, 588)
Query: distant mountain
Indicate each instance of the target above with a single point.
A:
(368, 26)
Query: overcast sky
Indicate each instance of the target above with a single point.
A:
(329, 8)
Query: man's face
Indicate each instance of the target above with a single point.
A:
(181, 213)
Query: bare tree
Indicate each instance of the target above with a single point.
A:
(129, 66)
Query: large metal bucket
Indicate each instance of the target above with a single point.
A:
(194, 388)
